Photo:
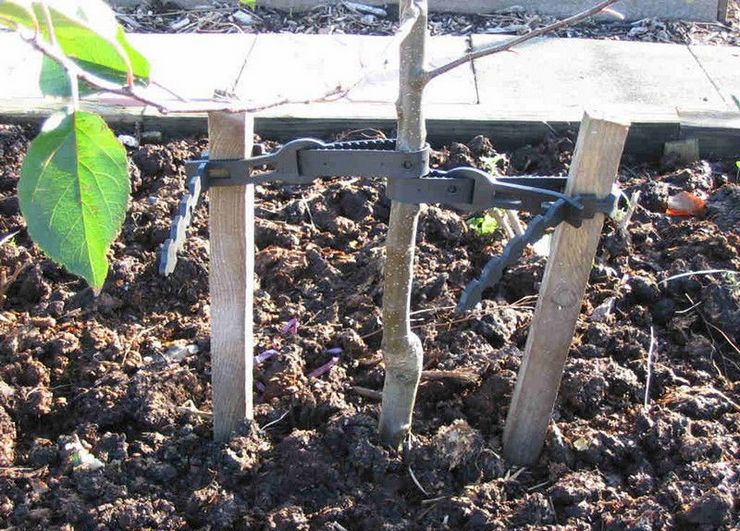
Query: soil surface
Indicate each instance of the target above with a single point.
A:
(233, 17)
(104, 401)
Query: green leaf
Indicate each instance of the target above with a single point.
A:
(16, 13)
(484, 225)
(74, 191)
(88, 33)
(249, 3)
(54, 81)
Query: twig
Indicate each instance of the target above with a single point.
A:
(633, 202)
(431, 501)
(272, 423)
(724, 335)
(189, 407)
(514, 222)
(503, 222)
(460, 376)
(471, 317)
(703, 272)
(367, 393)
(416, 482)
(649, 377)
(496, 48)
(6, 282)
(135, 93)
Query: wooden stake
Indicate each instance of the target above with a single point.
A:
(231, 278)
(593, 171)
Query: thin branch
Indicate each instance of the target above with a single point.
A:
(135, 93)
(183, 106)
(496, 48)
(702, 272)
(649, 369)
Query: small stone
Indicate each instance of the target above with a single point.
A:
(151, 137)
(243, 18)
(362, 8)
(75, 456)
(603, 310)
(181, 352)
(128, 141)
(368, 19)
(180, 24)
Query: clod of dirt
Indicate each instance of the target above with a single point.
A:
(153, 161)
(576, 488)
(643, 290)
(655, 196)
(439, 224)
(663, 311)
(712, 509)
(481, 146)
(457, 442)
(723, 208)
(460, 155)
(355, 204)
(700, 402)
(583, 390)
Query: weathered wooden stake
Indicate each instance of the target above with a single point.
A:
(593, 171)
(231, 278)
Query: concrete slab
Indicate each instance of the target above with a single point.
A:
(20, 66)
(588, 73)
(195, 66)
(668, 92)
(722, 66)
(300, 67)
(702, 10)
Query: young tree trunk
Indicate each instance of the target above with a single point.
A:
(402, 350)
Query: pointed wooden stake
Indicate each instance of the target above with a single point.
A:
(231, 278)
(593, 171)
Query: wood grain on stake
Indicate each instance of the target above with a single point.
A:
(231, 278)
(593, 171)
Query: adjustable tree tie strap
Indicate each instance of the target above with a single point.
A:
(303, 161)
(409, 181)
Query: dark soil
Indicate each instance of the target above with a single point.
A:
(104, 418)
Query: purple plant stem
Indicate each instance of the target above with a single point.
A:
(290, 328)
(266, 355)
(326, 367)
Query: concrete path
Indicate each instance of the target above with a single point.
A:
(546, 80)
(567, 74)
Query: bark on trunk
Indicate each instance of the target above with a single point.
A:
(402, 350)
